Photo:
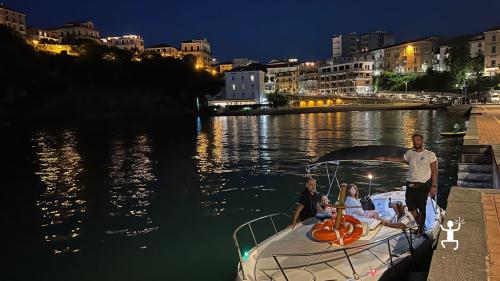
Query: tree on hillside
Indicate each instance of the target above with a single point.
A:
(459, 58)
(476, 65)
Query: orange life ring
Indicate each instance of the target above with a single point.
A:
(350, 231)
(353, 235)
(326, 232)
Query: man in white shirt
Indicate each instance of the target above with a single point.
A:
(401, 219)
(421, 179)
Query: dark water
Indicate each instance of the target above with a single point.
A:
(160, 200)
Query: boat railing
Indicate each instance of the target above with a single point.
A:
(256, 243)
(406, 231)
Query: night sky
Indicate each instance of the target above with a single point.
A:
(264, 30)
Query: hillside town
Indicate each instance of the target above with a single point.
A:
(355, 59)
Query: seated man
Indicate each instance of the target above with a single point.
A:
(402, 219)
(308, 203)
(325, 210)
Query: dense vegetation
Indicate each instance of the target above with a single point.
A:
(278, 99)
(101, 79)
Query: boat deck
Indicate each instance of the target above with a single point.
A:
(330, 266)
(301, 258)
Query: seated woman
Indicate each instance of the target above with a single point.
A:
(353, 206)
(325, 210)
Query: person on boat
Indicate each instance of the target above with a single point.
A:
(353, 205)
(402, 219)
(325, 209)
(307, 206)
(421, 179)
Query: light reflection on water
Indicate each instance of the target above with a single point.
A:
(122, 197)
(62, 204)
(235, 154)
(130, 175)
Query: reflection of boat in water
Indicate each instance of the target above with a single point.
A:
(453, 134)
(380, 253)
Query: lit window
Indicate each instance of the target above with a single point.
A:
(234, 87)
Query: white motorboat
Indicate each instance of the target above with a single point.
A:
(381, 253)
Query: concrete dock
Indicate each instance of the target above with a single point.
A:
(480, 161)
(478, 254)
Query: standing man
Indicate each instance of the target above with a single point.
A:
(421, 179)
(308, 203)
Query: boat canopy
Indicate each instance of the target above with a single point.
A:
(367, 152)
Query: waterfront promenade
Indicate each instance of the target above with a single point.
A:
(486, 118)
(335, 108)
(484, 130)
(478, 255)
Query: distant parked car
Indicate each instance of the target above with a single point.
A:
(495, 98)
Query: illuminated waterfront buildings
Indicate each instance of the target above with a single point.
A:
(200, 50)
(164, 50)
(126, 42)
(14, 19)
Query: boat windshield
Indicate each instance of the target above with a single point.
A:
(369, 175)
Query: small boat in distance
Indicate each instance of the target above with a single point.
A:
(453, 134)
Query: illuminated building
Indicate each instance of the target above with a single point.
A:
(492, 51)
(282, 77)
(78, 31)
(223, 67)
(239, 62)
(348, 78)
(347, 45)
(200, 50)
(439, 62)
(244, 86)
(378, 61)
(164, 50)
(126, 42)
(308, 78)
(42, 36)
(410, 57)
(476, 45)
(15, 20)
(374, 40)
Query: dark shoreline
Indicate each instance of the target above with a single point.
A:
(141, 115)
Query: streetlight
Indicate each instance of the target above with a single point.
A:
(465, 91)
(406, 87)
(370, 185)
